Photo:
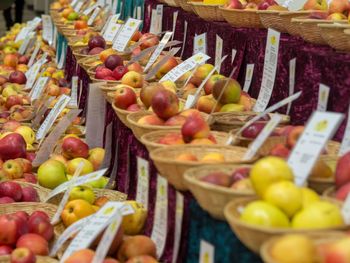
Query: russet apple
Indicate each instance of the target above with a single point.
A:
(136, 246)
(13, 169)
(36, 243)
(133, 79)
(22, 255)
(208, 104)
(148, 91)
(232, 92)
(124, 97)
(151, 120)
(73, 147)
(195, 127)
(208, 87)
(165, 104)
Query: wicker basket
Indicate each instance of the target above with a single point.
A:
(272, 19)
(39, 259)
(292, 28)
(213, 198)
(171, 3)
(335, 36)
(317, 238)
(122, 114)
(42, 192)
(207, 12)
(253, 236)
(150, 140)
(185, 5)
(109, 96)
(241, 18)
(172, 169)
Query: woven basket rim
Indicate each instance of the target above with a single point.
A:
(311, 20)
(115, 108)
(272, 12)
(201, 4)
(237, 10)
(131, 120)
(335, 25)
(292, 13)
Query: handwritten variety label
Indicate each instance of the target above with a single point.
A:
(178, 224)
(126, 33)
(206, 253)
(218, 52)
(319, 129)
(52, 116)
(160, 224)
(47, 28)
(200, 44)
(269, 72)
(93, 16)
(25, 43)
(248, 77)
(38, 89)
(323, 94)
(185, 66)
(142, 181)
(292, 64)
(264, 134)
(33, 71)
(112, 28)
(34, 54)
(345, 144)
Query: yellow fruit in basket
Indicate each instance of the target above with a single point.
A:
(268, 171)
(309, 196)
(293, 248)
(321, 170)
(286, 196)
(320, 214)
(213, 158)
(262, 213)
(133, 224)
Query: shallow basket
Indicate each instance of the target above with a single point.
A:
(253, 236)
(317, 238)
(272, 19)
(173, 170)
(213, 198)
(335, 36)
(286, 18)
(185, 5)
(241, 18)
(150, 140)
(122, 114)
(39, 259)
(207, 12)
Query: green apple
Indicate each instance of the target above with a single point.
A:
(82, 192)
(51, 174)
(73, 164)
(27, 133)
(232, 107)
(99, 183)
(8, 91)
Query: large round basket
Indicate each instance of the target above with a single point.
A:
(272, 19)
(150, 140)
(241, 18)
(173, 170)
(207, 12)
(213, 198)
(122, 114)
(185, 5)
(38, 259)
(292, 28)
(253, 236)
(317, 238)
(335, 36)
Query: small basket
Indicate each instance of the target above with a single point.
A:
(173, 170)
(38, 259)
(213, 198)
(241, 18)
(335, 36)
(150, 140)
(122, 114)
(207, 12)
(272, 19)
(292, 28)
(185, 5)
(253, 236)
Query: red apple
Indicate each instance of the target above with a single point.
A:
(11, 125)
(294, 135)
(13, 100)
(12, 227)
(148, 91)
(11, 189)
(23, 59)
(39, 214)
(95, 51)
(280, 150)
(73, 147)
(21, 214)
(103, 73)
(12, 146)
(195, 127)
(30, 178)
(18, 77)
(342, 171)
(134, 108)
(176, 120)
(22, 255)
(148, 40)
(96, 41)
(165, 104)
(3, 80)
(253, 130)
(343, 192)
(240, 173)
(36, 243)
(124, 97)
(5, 250)
(29, 194)
(39, 225)
(119, 72)
(6, 200)
(113, 61)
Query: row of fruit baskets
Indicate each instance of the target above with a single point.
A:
(200, 149)
(324, 23)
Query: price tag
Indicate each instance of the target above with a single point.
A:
(206, 254)
(345, 144)
(319, 129)
(218, 52)
(184, 39)
(88, 10)
(178, 224)
(93, 228)
(112, 28)
(25, 43)
(51, 118)
(142, 181)
(323, 94)
(126, 33)
(248, 77)
(47, 28)
(93, 16)
(233, 55)
(200, 44)
(185, 66)
(78, 7)
(95, 117)
(34, 54)
(38, 89)
(73, 103)
(86, 178)
(159, 50)
(264, 134)
(269, 72)
(292, 64)
(175, 15)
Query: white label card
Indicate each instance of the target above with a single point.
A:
(88, 10)
(269, 72)
(345, 144)
(159, 11)
(206, 253)
(294, 5)
(62, 58)
(185, 66)
(159, 50)
(78, 6)
(143, 178)
(73, 3)
(93, 16)
(153, 26)
(323, 94)
(178, 224)
(319, 129)
(52, 116)
(126, 33)
(38, 88)
(218, 52)
(73, 103)
(184, 39)
(292, 64)
(47, 28)
(33, 72)
(248, 77)
(112, 28)
(160, 224)
(175, 15)
(233, 55)
(200, 44)
(264, 134)
(25, 43)
(34, 54)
